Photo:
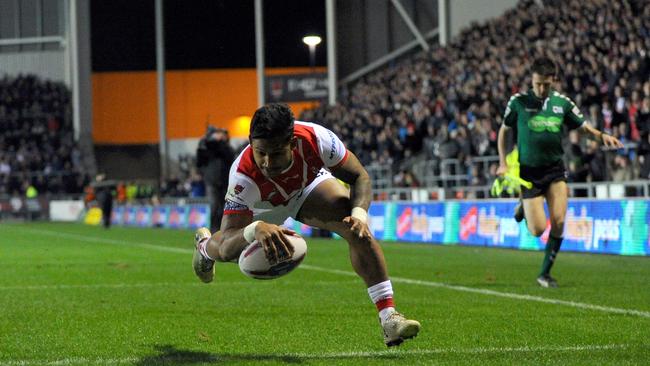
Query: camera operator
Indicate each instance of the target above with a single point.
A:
(214, 156)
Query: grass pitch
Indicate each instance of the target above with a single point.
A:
(78, 295)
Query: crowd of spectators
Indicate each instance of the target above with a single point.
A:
(37, 147)
(448, 103)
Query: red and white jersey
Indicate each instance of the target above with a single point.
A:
(249, 188)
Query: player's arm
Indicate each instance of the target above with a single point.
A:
(509, 121)
(238, 230)
(354, 174)
(575, 119)
(607, 140)
(501, 146)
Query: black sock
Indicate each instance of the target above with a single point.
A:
(552, 248)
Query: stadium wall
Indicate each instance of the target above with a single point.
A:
(48, 65)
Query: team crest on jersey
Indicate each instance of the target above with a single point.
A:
(238, 189)
(558, 109)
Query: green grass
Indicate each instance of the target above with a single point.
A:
(78, 295)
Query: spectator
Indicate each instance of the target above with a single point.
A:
(214, 156)
(622, 169)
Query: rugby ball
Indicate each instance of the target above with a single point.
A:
(253, 262)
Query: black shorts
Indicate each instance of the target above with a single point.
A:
(541, 177)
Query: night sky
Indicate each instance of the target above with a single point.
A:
(203, 34)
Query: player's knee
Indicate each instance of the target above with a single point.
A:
(351, 237)
(225, 254)
(537, 231)
(557, 221)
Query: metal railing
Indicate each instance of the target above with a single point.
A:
(593, 190)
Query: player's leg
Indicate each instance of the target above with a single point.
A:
(217, 207)
(535, 215)
(325, 207)
(519, 210)
(204, 252)
(212, 193)
(557, 197)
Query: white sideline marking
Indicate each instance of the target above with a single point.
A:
(508, 295)
(607, 309)
(135, 285)
(110, 241)
(331, 355)
(97, 285)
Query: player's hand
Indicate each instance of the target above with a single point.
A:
(358, 227)
(502, 170)
(611, 142)
(274, 242)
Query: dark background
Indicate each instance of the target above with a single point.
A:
(203, 34)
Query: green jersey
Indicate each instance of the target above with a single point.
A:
(538, 124)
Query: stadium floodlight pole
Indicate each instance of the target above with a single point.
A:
(73, 50)
(259, 51)
(330, 12)
(160, 71)
(443, 22)
(312, 41)
(410, 24)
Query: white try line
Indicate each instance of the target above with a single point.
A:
(509, 295)
(396, 353)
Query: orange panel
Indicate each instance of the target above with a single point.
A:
(125, 103)
(198, 96)
(125, 107)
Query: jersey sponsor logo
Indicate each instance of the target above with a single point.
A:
(238, 189)
(541, 124)
(558, 109)
(231, 205)
(532, 110)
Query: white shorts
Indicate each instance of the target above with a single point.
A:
(279, 214)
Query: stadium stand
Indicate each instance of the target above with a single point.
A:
(437, 113)
(37, 146)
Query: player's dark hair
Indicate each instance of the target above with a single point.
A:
(272, 121)
(544, 66)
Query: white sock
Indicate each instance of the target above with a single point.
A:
(380, 291)
(203, 248)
